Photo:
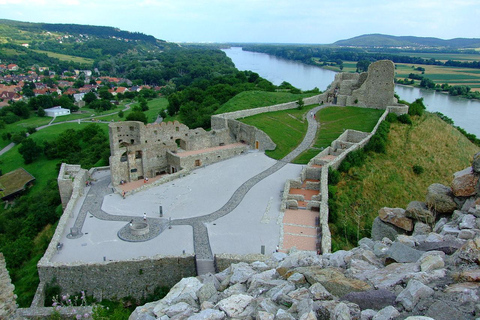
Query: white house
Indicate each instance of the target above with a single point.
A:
(56, 112)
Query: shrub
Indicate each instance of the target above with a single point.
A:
(417, 169)
(416, 108)
(405, 118)
(333, 176)
(391, 117)
(353, 159)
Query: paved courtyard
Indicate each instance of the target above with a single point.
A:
(256, 221)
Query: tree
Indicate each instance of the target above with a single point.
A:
(41, 112)
(300, 104)
(137, 116)
(29, 150)
(89, 97)
(362, 65)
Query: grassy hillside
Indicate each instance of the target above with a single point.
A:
(258, 99)
(387, 180)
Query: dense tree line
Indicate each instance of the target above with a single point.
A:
(306, 54)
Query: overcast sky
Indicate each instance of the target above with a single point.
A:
(267, 21)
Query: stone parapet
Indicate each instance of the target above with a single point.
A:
(8, 305)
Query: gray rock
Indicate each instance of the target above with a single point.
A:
(238, 288)
(447, 246)
(301, 307)
(468, 222)
(297, 279)
(268, 306)
(468, 204)
(464, 183)
(419, 211)
(466, 234)
(419, 318)
(476, 163)
(386, 313)
(440, 198)
(414, 291)
(210, 278)
(366, 243)
(280, 290)
(207, 292)
(259, 266)
(208, 314)
(308, 316)
(380, 249)
(341, 312)
(391, 275)
(319, 292)
(402, 253)
(262, 315)
(337, 259)
(240, 272)
(406, 240)
(431, 261)
(185, 291)
(450, 230)
(237, 306)
(180, 309)
(371, 299)
(421, 229)
(439, 225)
(442, 310)
(382, 230)
(300, 294)
(367, 314)
(283, 315)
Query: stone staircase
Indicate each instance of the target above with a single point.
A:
(205, 266)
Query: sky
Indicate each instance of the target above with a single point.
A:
(261, 21)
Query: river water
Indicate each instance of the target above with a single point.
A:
(465, 113)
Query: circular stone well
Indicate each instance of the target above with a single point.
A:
(139, 228)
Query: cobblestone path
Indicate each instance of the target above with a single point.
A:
(100, 189)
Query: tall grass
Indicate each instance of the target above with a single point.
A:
(388, 180)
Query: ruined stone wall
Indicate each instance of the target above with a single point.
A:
(205, 158)
(256, 138)
(65, 181)
(140, 151)
(117, 279)
(378, 89)
(224, 260)
(8, 304)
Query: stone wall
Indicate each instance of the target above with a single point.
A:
(194, 161)
(8, 304)
(256, 138)
(117, 279)
(65, 181)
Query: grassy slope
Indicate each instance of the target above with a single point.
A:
(274, 124)
(257, 99)
(387, 180)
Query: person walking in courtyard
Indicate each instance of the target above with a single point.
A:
(144, 217)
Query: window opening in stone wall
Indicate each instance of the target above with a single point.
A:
(197, 163)
(118, 129)
(133, 170)
(177, 129)
(132, 128)
(138, 154)
(155, 132)
(124, 157)
(132, 141)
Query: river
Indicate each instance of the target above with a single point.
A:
(465, 113)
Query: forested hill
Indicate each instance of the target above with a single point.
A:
(383, 40)
(77, 29)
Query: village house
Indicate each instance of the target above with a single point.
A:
(56, 112)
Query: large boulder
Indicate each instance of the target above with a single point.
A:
(418, 210)
(476, 163)
(371, 299)
(464, 183)
(412, 294)
(396, 216)
(333, 280)
(382, 230)
(403, 253)
(440, 198)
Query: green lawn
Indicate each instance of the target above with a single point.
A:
(286, 128)
(257, 99)
(65, 57)
(334, 121)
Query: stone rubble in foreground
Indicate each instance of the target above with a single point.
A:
(421, 263)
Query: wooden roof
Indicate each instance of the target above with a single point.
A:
(13, 182)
